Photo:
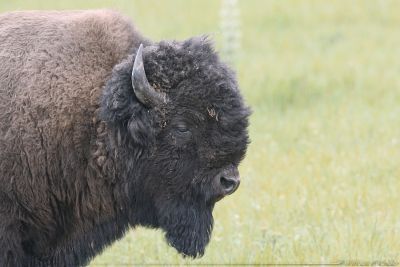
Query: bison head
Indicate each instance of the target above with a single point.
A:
(177, 131)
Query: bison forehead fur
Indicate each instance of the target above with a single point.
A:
(83, 157)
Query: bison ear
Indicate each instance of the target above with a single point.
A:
(144, 92)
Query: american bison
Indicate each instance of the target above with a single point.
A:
(99, 133)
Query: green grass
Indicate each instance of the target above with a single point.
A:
(321, 180)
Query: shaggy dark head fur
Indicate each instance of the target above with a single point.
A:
(174, 157)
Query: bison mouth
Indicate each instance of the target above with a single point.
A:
(188, 228)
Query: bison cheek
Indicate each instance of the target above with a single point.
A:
(188, 229)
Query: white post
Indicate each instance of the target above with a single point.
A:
(230, 30)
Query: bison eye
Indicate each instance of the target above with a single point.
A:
(181, 136)
(182, 129)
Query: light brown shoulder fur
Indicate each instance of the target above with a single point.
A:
(53, 69)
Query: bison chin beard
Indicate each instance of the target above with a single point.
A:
(188, 228)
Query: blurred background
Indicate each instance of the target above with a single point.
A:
(321, 180)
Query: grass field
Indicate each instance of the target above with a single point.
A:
(321, 180)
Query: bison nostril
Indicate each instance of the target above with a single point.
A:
(229, 185)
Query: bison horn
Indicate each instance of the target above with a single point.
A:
(144, 92)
